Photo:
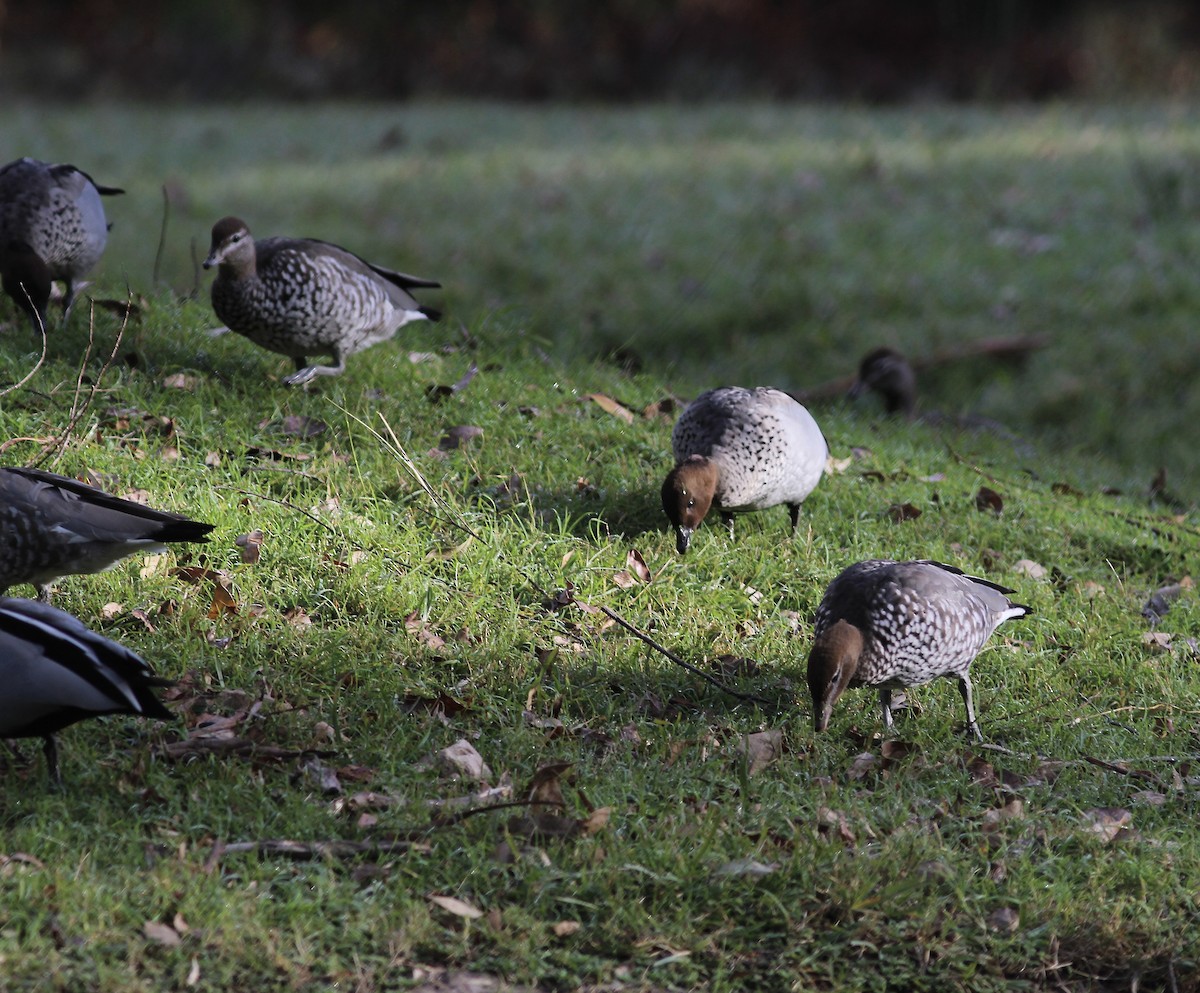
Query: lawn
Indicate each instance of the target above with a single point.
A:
(408, 594)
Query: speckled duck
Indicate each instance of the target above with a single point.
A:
(57, 672)
(889, 624)
(740, 450)
(296, 296)
(52, 227)
(51, 526)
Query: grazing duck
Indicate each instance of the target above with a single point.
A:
(52, 227)
(887, 624)
(57, 672)
(53, 526)
(739, 450)
(888, 373)
(298, 295)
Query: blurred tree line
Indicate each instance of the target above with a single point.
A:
(872, 50)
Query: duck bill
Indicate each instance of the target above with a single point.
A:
(683, 538)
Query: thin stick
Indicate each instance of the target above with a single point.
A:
(162, 235)
(282, 503)
(38, 364)
(750, 697)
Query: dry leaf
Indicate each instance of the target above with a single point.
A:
(164, 934)
(458, 435)
(760, 749)
(222, 602)
(1027, 567)
(988, 499)
(863, 763)
(1106, 823)
(111, 611)
(637, 565)
(624, 580)
(565, 928)
(453, 905)
(609, 404)
(745, 867)
(903, 512)
(180, 381)
(829, 820)
(1004, 920)
(461, 759)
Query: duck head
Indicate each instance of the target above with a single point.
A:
(232, 246)
(832, 663)
(687, 495)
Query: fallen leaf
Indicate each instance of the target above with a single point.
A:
(222, 602)
(1027, 567)
(903, 512)
(745, 867)
(637, 565)
(164, 934)
(1106, 823)
(834, 821)
(1004, 920)
(436, 394)
(180, 381)
(862, 764)
(624, 580)
(461, 759)
(988, 499)
(664, 409)
(564, 929)
(760, 749)
(455, 906)
(295, 426)
(610, 405)
(458, 435)
(1157, 641)
(1161, 599)
(193, 976)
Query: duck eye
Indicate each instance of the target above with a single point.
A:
(691, 502)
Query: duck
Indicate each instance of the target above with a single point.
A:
(887, 372)
(888, 624)
(52, 228)
(295, 296)
(739, 449)
(57, 672)
(52, 526)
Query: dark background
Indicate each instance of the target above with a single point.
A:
(869, 50)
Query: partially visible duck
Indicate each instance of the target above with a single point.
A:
(56, 672)
(52, 525)
(739, 450)
(888, 373)
(52, 227)
(890, 624)
(296, 296)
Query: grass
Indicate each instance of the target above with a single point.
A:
(934, 864)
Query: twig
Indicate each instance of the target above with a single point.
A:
(162, 235)
(750, 697)
(78, 409)
(346, 848)
(282, 503)
(1124, 770)
(38, 364)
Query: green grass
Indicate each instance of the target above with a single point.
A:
(558, 233)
